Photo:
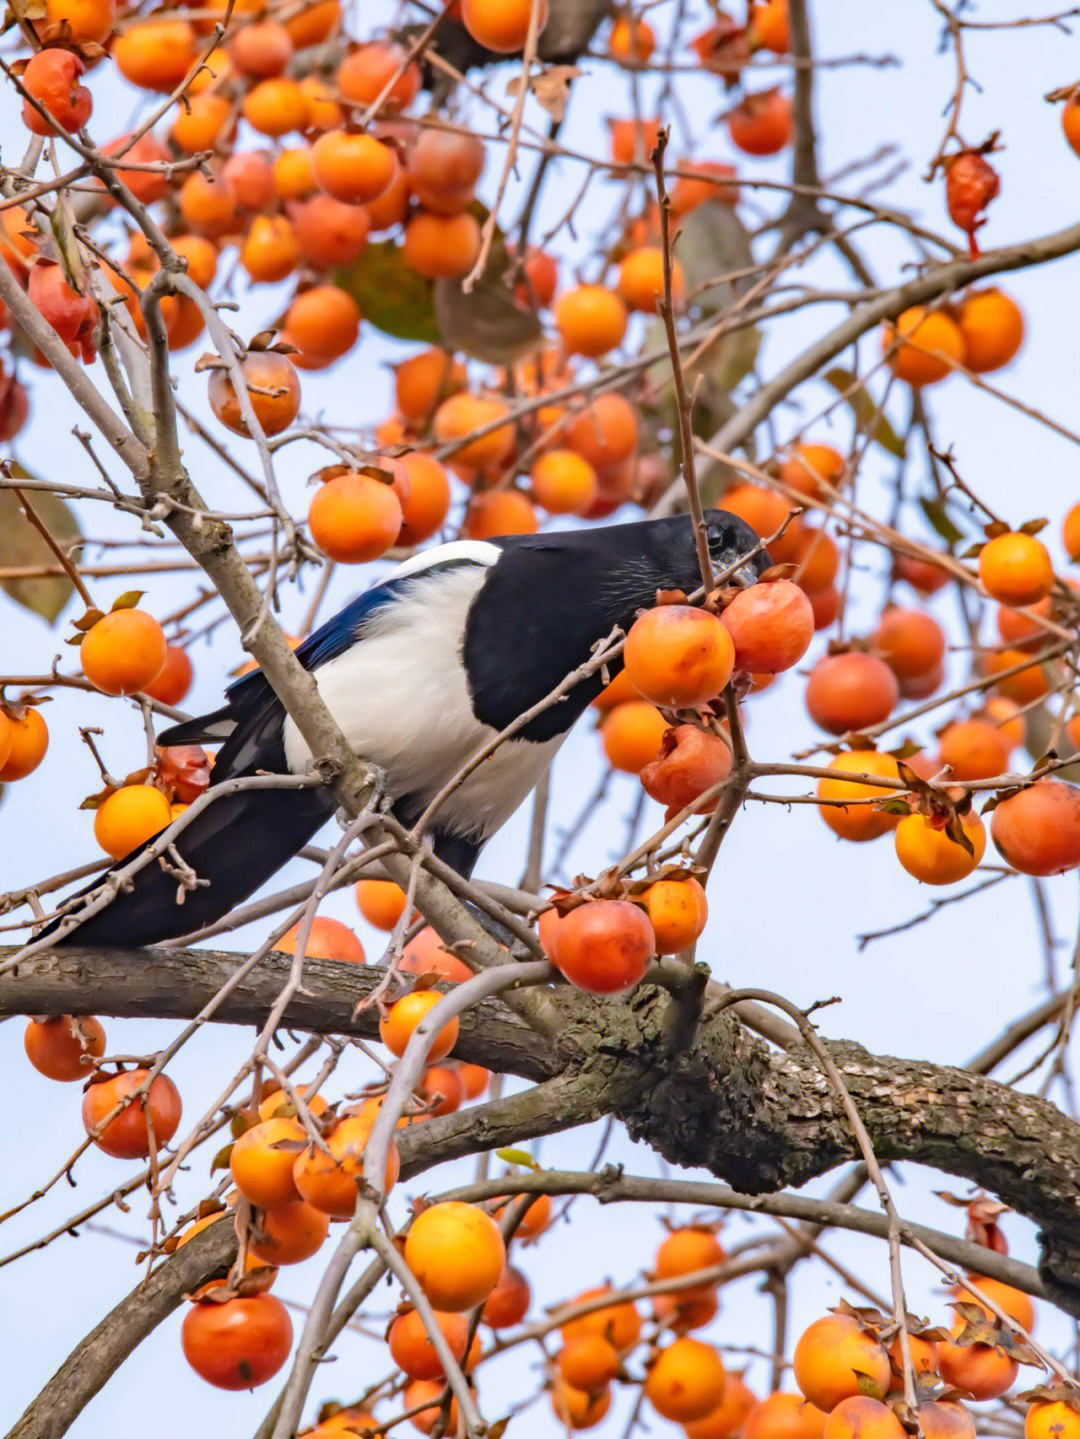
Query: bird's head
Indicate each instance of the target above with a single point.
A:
(730, 540)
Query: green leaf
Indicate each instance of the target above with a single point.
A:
(21, 545)
(391, 295)
(940, 521)
(870, 420)
(516, 1156)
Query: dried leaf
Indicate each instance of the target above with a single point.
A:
(550, 87)
(221, 1158)
(21, 546)
(128, 600)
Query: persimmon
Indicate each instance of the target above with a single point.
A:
(992, 326)
(983, 1370)
(850, 691)
(677, 910)
(619, 1322)
(412, 1350)
(678, 656)
(270, 250)
(631, 735)
(327, 939)
(687, 1380)
(91, 20)
(146, 1120)
(251, 175)
(588, 1363)
(922, 575)
(261, 49)
(575, 1408)
(27, 741)
(763, 510)
(618, 691)
(201, 123)
(541, 279)
(859, 822)
(146, 185)
(924, 1359)
(923, 346)
(274, 107)
(440, 1090)
(208, 206)
(508, 1303)
(816, 558)
(911, 642)
(975, 749)
(860, 1417)
(398, 1024)
(52, 77)
(426, 954)
(129, 817)
(262, 1160)
(702, 182)
(155, 54)
(631, 41)
(460, 415)
(64, 1047)
(272, 386)
(323, 323)
(1025, 686)
(330, 1182)
(379, 66)
(354, 518)
(535, 1219)
(686, 1250)
(294, 174)
(591, 320)
(237, 1344)
(475, 1079)
(926, 851)
(771, 626)
(1037, 829)
(380, 901)
(72, 313)
(784, 1416)
(329, 233)
(1016, 569)
(761, 124)
(633, 140)
(441, 246)
(836, 1359)
(1006, 717)
(641, 279)
(288, 1233)
(813, 469)
(352, 167)
(563, 483)
(443, 167)
(605, 432)
(427, 502)
(277, 1104)
(499, 512)
(1051, 1419)
(457, 1254)
(770, 27)
(502, 25)
(1013, 1302)
(726, 1420)
(424, 379)
(946, 1419)
(1023, 631)
(604, 947)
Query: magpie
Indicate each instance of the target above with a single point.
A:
(419, 671)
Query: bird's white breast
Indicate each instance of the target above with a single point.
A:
(401, 698)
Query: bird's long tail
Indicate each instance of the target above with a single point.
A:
(236, 843)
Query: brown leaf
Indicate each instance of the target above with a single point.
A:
(22, 547)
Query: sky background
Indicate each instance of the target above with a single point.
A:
(787, 900)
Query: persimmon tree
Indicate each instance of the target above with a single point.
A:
(304, 190)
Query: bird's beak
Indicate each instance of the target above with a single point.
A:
(744, 577)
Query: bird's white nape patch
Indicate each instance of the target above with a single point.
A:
(477, 552)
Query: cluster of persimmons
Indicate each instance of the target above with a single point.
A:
(293, 147)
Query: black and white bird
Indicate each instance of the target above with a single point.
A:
(419, 672)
